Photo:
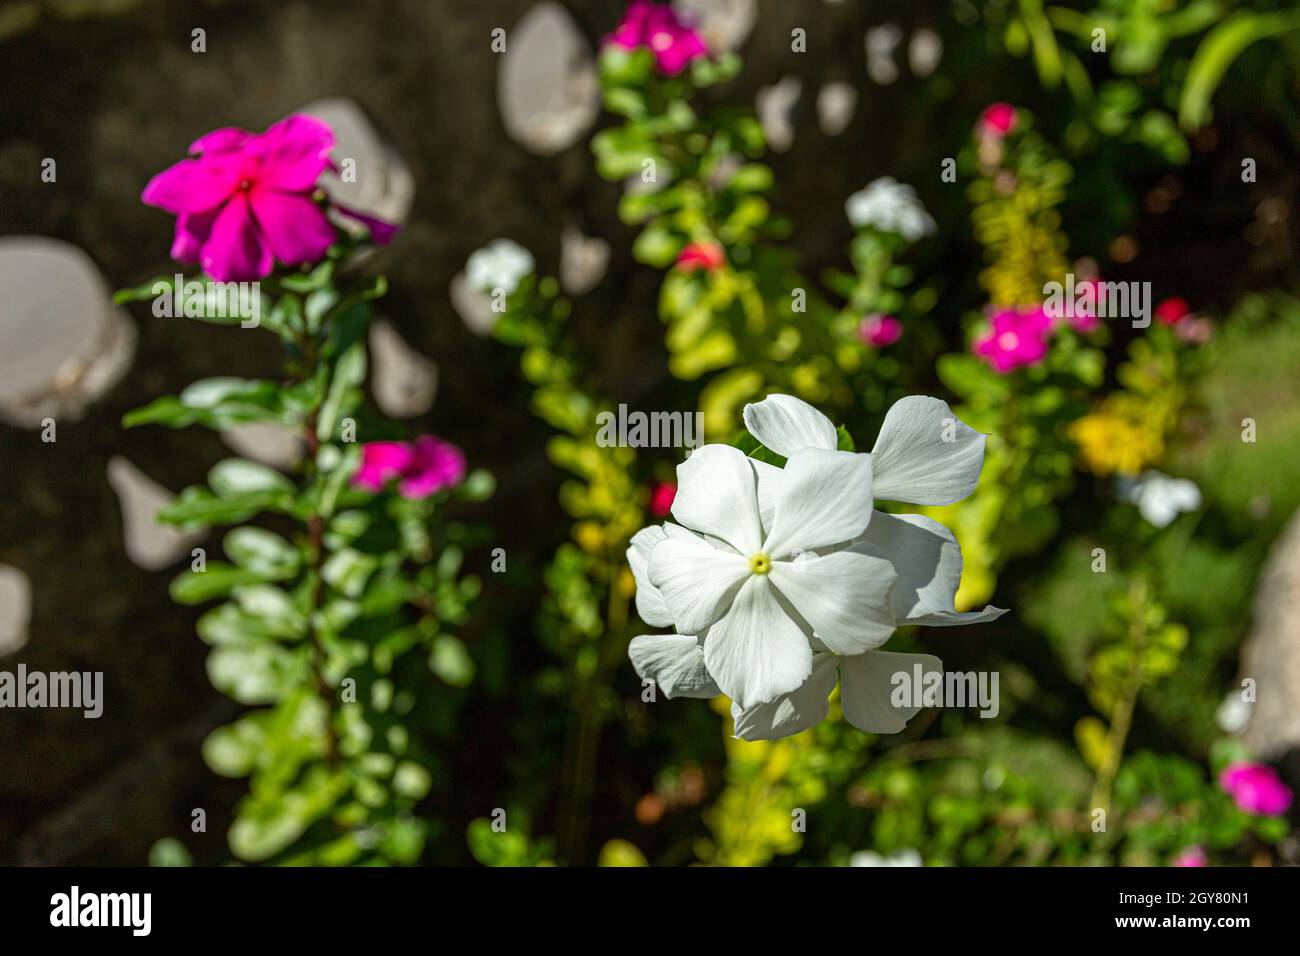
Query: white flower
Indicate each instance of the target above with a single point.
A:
(872, 858)
(1159, 498)
(791, 579)
(498, 265)
(1234, 713)
(890, 206)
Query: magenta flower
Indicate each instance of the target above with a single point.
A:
(701, 255)
(661, 498)
(421, 468)
(658, 28)
(997, 120)
(1256, 788)
(245, 201)
(1191, 856)
(880, 330)
(1172, 311)
(1016, 337)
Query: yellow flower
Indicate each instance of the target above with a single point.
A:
(1112, 441)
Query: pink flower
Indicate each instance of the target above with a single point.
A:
(1172, 311)
(1191, 856)
(657, 27)
(661, 498)
(422, 467)
(244, 200)
(1016, 337)
(1256, 788)
(1194, 330)
(879, 330)
(997, 120)
(701, 255)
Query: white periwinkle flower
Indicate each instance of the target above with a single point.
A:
(872, 858)
(1233, 714)
(781, 580)
(890, 206)
(1159, 498)
(501, 264)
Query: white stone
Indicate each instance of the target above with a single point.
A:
(15, 609)
(583, 260)
(724, 24)
(404, 381)
(775, 107)
(63, 344)
(881, 42)
(547, 86)
(148, 543)
(924, 51)
(268, 444)
(835, 105)
(384, 186)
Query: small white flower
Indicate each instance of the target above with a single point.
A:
(1159, 498)
(501, 264)
(872, 858)
(890, 206)
(1233, 714)
(791, 579)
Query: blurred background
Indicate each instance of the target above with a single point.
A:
(474, 144)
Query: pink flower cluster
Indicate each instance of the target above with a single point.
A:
(421, 468)
(997, 120)
(245, 201)
(1016, 337)
(878, 330)
(658, 28)
(1256, 788)
(708, 256)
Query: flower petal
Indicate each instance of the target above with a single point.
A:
(193, 185)
(716, 495)
(925, 455)
(649, 602)
(928, 561)
(698, 582)
(295, 228)
(790, 713)
(867, 689)
(675, 663)
(192, 231)
(844, 596)
(223, 140)
(824, 499)
(234, 250)
(756, 652)
(767, 483)
(786, 425)
(296, 153)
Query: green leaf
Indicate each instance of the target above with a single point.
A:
(272, 605)
(348, 571)
(263, 552)
(197, 507)
(239, 476)
(1216, 53)
(218, 580)
(349, 372)
(255, 673)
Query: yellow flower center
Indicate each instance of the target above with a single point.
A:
(760, 563)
